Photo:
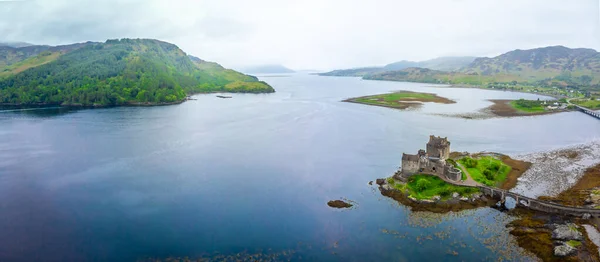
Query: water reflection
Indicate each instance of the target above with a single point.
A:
(36, 112)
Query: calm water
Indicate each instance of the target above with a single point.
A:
(251, 174)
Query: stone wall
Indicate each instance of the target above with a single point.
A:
(410, 167)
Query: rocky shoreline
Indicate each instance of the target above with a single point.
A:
(554, 238)
(436, 204)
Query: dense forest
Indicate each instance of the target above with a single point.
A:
(121, 72)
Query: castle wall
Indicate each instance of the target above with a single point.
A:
(410, 167)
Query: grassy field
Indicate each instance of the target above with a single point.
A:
(427, 186)
(528, 106)
(38, 60)
(591, 104)
(486, 170)
(393, 97)
(401, 100)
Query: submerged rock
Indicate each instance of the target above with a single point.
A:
(338, 204)
(567, 231)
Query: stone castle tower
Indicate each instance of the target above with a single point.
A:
(438, 147)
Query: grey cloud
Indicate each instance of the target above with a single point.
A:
(318, 34)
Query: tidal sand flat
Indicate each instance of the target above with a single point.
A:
(515, 108)
(400, 100)
(555, 171)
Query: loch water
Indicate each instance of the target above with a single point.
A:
(251, 176)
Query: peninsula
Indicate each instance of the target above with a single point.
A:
(113, 73)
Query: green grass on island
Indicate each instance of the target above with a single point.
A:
(427, 186)
(528, 106)
(486, 170)
(592, 103)
(400, 100)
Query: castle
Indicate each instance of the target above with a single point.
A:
(432, 161)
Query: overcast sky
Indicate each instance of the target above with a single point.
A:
(311, 34)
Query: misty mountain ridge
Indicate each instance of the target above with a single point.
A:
(447, 63)
(15, 44)
(547, 66)
(267, 69)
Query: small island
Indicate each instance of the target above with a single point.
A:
(400, 100)
(437, 180)
(433, 178)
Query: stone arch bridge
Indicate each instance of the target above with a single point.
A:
(539, 205)
(589, 112)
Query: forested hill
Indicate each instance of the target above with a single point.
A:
(117, 72)
(548, 65)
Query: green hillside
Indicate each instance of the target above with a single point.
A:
(10, 55)
(118, 72)
(553, 66)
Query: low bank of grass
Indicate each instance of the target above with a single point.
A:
(427, 186)
(591, 104)
(528, 106)
(400, 100)
(392, 97)
(486, 170)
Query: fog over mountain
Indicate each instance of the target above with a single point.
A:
(311, 34)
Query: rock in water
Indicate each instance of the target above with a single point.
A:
(338, 204)
(567, 231)
(563, 250)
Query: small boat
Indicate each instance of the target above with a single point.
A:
(219, 96)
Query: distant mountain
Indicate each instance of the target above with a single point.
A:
(267, 69)
(400, 65)
(548, 66)
(15, 44)
(449, 63)
(117, 72)
(361, 71)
